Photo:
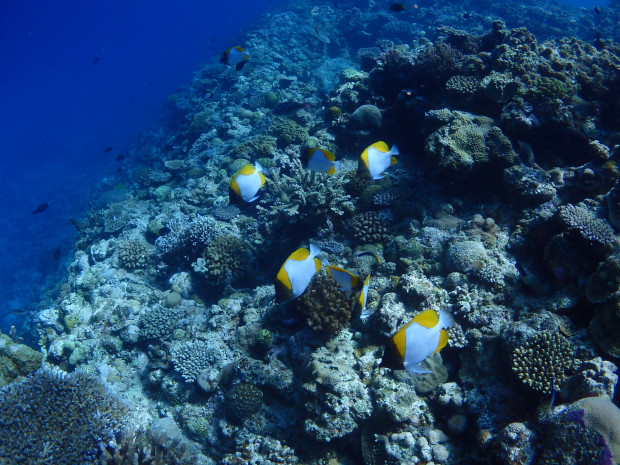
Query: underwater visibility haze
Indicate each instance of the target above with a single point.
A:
(310, 232)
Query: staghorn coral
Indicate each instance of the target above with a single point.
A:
(327, 308)
(588, 227)
(55, 417)
(188, 238)
(134, 254)
(368, 227)
(303, 194)
(544, 361)
(192, 357)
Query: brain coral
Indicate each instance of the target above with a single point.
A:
(244, 400)
(467, 142)
(366, 117)
(54, 417)
(544, 361)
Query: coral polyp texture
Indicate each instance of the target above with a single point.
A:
(55, 417)
(544, 361)
(499, 215)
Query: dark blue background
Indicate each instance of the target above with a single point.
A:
(59, 111)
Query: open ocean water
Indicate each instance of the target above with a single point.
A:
(351, 232)
(80, 77)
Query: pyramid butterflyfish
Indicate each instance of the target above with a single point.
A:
(235, 56)
(297, 272)
(413, 343)
(322, 160)
(245, 183)
(377, 158)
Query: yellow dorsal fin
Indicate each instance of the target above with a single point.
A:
(381, 146)
(317, 264)
(329, 155)
(262, 179)
(428, 319)
(239, 48)
(394, 161)
(299, 255)
(247, 169)
(443, 340)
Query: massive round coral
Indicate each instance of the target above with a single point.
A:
(327, 308)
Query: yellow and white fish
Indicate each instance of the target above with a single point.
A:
(235, 56)
(348, 281)
(297, 272)
(322, 160)
(413, 343)
(360, 304)
(377, 158)
(245, 183)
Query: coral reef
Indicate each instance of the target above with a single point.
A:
(544, 361)
(57, 417)
(501, 211)
(326, 306)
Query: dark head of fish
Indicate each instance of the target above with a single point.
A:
(397, 7)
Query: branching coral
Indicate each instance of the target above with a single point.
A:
(54, 417)
(544, 361)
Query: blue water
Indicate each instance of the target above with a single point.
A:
(79, 77)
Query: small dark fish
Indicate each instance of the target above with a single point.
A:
(41, 208)
(597, 10)
(207, 94)
(397, 7)
(289, 108)
(120, 157)
(96, 60)
(57, 253)
(466, 15)
(108, 149)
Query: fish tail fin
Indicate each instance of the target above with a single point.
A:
(258, 167)
(394, 150)
(445, 319)
(314, 250)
